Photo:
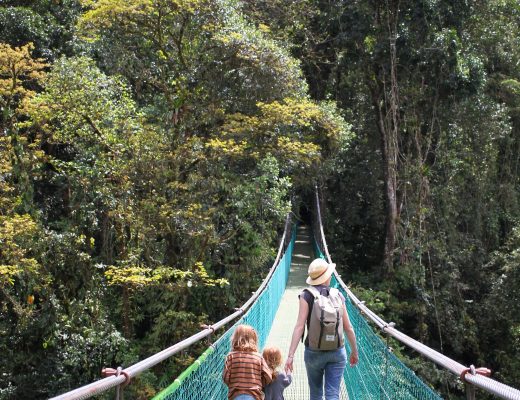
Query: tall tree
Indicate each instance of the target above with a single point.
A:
(158, 171)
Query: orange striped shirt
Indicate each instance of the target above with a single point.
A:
(246, 373)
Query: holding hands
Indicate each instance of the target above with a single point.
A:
(289, 365)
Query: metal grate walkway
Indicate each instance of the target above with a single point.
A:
(285, 318)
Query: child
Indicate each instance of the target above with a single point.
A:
(273, 358)
(245, 371)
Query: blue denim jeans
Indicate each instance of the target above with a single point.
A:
(244, 397)
(325, 364)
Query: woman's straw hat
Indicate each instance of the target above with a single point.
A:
(319, 271)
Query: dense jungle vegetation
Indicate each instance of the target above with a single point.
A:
(150, 150)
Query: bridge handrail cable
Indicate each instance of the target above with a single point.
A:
(125, 375)
(468, 375)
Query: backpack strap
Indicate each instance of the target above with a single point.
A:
(315, 294)
(312, 290)
(334, 293)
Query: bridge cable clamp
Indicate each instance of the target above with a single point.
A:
(210, 327)
(474, 371)
(388, 325)
(105, 372)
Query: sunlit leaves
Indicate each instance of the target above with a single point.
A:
(139, 276)
(16, 234)
(159, 43)
(18, 67)
(134, 13)
(190, 56)
(228, 147)
(21, 274)
(259, 59)
(300, 133)
(19, 73)
(105, 13)
(132, 276)
(7, 194)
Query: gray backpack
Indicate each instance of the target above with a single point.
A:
(326, 323)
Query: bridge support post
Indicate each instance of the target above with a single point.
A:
(470, 392)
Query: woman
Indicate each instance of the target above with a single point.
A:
(322, 365)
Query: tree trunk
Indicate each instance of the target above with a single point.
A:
(389, 160)
(385, 100)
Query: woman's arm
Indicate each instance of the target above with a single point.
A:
(351, 336)
(299, 328)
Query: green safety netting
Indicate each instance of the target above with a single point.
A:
(203, 379)
(379, 373)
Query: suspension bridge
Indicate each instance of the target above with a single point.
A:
(272, 311)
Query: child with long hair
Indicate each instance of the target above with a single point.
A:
(274, 390)
(245, 370)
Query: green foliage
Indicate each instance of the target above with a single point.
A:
(16, 232)
(46, 23)
(298, 133)
(456, 130)
(148, 172)
(21, 275)
(135, 221)
(52, 315)
(502, 314)
(19, 73)
(94, 116)
(82, 341)
(7, 199)
(91, 110)
(210, 60)
(136, 277)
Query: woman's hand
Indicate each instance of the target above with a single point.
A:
(299, 328)
(354, 358)
(289, 365)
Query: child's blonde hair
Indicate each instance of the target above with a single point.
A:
(273, 358)
(244, 339)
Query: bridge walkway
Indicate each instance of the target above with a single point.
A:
(283, 325)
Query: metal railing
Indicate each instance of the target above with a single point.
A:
(472, 377)
(123, 376)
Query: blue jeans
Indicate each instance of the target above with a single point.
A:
(328, 364)
(244, 397)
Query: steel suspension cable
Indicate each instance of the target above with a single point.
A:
(469, 375)
(125, 375)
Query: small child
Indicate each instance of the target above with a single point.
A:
(245, 371)
(273, 358)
